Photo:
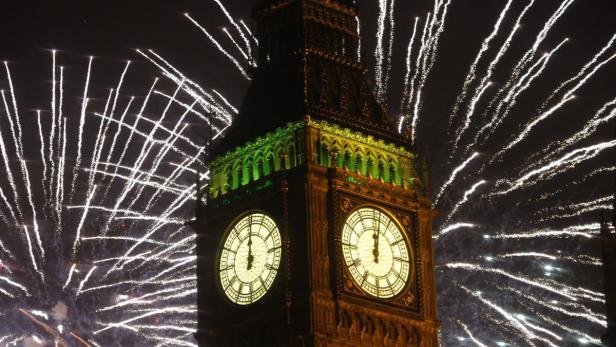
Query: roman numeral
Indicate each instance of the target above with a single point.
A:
(356, 262)
(272, 250)
(397, 242)
(350, 245)
(400, 259)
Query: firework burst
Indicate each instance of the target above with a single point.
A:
(94, 251)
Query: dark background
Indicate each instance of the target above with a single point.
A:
(112, 30)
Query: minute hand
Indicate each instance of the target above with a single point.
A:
(375, 251)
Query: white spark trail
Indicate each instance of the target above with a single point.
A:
(236, 26)
(61, 171)
(9, 173)
(390, 48)
(15, 284)
(236, 45)
(521, 279)
(485, 81)
(155, 312)
(418, 76)
(465, 198)
(145, 151)
(529, 126)
(453, 227)
(34, 218)
(99, 141)
(557, 166)
(82, 221)
(515, 323)
(222, 97)
(453, 176)
(117, 133)
(85, 280)
(70, 276)
(52, 131)
(220, 48)
(471, 76)
(471, 336)
(511, 98)
(196, 91)
(132, 133)
(32, 257)
(586, 231)
(82, 121)
(408, 92)
(42, 139)
(115, 102)
(584, 69)
(378, 52)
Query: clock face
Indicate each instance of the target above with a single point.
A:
(249, 258)
(376, 252)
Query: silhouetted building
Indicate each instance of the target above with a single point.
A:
(317, 230)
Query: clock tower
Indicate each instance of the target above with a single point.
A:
(317, 227)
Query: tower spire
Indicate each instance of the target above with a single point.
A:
(308, 60)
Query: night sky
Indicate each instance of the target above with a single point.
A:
(112, 30)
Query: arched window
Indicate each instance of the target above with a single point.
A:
(247, 173)
(358, 164)
(237, 176)
(381, 171)
(271, 164)
(228, 184)
(370, 167)
(325, 157)
(392, 173)
(259, 168)
(348, 160)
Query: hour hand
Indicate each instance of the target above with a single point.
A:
(251, 258)
(375, 250)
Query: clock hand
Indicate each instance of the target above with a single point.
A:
(251, 258)
(375, 250)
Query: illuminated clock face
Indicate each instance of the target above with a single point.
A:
(376, 252)
(249, 258)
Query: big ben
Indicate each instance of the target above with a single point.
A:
(317, 227)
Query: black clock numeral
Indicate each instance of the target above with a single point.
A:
(400, 259)
(229, 250)
(270, 267)
(350, 245)
(364, 278)
(356, 262)
(397, 242)
(272, 250)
